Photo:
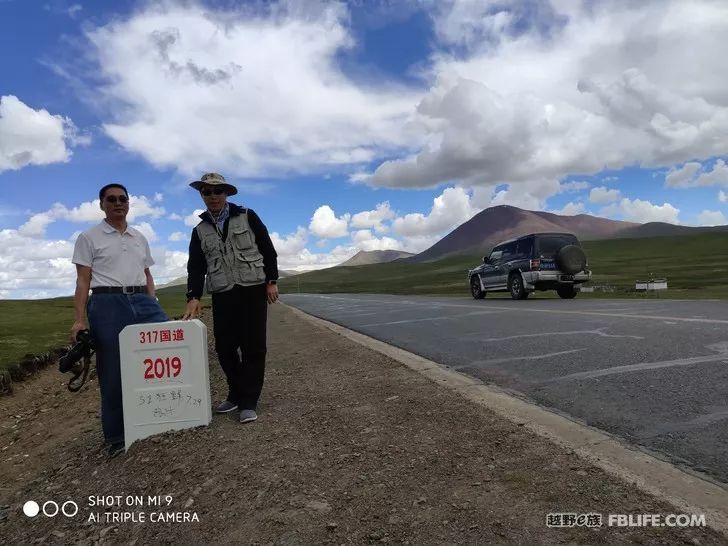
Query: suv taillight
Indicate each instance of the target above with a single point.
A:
(535, 264)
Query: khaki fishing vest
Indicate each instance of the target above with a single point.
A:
(235, 261)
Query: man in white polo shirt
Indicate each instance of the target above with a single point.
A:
(113, 260)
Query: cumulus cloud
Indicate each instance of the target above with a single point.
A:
(177, 236)
(603, 195)
(175, 216)
(147, 230)
(32, 268)
(87, 212)
(449, 210)
(374, 218)
(267, 74)
(33, 137)
(571, 209)
(693, 175)
(722, 196)
(193, 219)
(637, 210)
(326, 225)
(574, 186)
(579, 88)
(712, 218)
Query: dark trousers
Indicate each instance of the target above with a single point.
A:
(108, 315)
(240, 318)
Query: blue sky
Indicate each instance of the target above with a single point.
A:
(352, 126)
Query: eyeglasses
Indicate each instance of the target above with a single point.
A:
(209, 192)
(113, 198)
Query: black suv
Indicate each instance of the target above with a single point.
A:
(539, 261)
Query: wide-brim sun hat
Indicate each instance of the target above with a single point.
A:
(214, 179)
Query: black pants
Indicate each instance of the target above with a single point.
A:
(240, 316)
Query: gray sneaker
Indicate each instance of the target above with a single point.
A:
(248, 415)
(226, 407)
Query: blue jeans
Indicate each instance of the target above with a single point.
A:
(108, 315)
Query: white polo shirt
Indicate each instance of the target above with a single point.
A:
(115, 259)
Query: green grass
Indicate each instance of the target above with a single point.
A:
(695, 266)
(37, 326)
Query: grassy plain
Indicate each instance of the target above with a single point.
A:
(695, 266)
(36, 326)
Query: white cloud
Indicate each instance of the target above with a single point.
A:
(147, 230)
(168, 265)
(326, 225)
(603, 195)
(193, 219)
(374, 218)
(177, 236)
(449, 210)
(33, 137)
(712, 218)
(574, 186)
(642, 211)
(722, 197)
(87, 212)
(158, 197)
(571, 209)
(32, 268)
(175, 216)
(571, 89)
(692, 175)
(267, 73)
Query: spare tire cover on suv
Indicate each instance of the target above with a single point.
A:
(571, 259)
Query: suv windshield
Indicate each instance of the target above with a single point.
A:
(549, 245)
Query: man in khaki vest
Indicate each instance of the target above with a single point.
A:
(231, 251)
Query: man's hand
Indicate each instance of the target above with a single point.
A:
(193, 309)
(271, 291)
(76, 328)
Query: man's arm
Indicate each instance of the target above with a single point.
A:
(265, 246)
(80, 298)
(196, 271)
(150, 282)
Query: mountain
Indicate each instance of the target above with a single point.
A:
(183, 280)
(366, 257)
(495, 224)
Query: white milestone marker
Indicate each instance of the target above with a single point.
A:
(165, 378)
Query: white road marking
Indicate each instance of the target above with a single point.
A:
(637, 368)
(511, 359)
(450, 317)
(597, 332)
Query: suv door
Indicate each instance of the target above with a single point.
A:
(489, 274)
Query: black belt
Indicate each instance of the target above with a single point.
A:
(119, 290)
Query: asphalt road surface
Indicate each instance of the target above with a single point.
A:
(654, 372)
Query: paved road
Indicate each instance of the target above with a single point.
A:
(654, 372)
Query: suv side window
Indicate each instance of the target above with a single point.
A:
(495, 254)
(524, 247)
(509, 251)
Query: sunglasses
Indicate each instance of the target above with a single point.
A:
(209, 192)
(113, 198)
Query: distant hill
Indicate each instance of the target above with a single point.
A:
(366, 257)
(183, 280)
(492, 225)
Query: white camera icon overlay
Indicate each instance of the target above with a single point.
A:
(50, 509)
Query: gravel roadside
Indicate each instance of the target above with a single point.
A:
(351, 447)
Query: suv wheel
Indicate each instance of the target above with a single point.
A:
(516, 288)
(567, 292)
(477, 292)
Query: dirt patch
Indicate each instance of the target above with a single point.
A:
(350, 448)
